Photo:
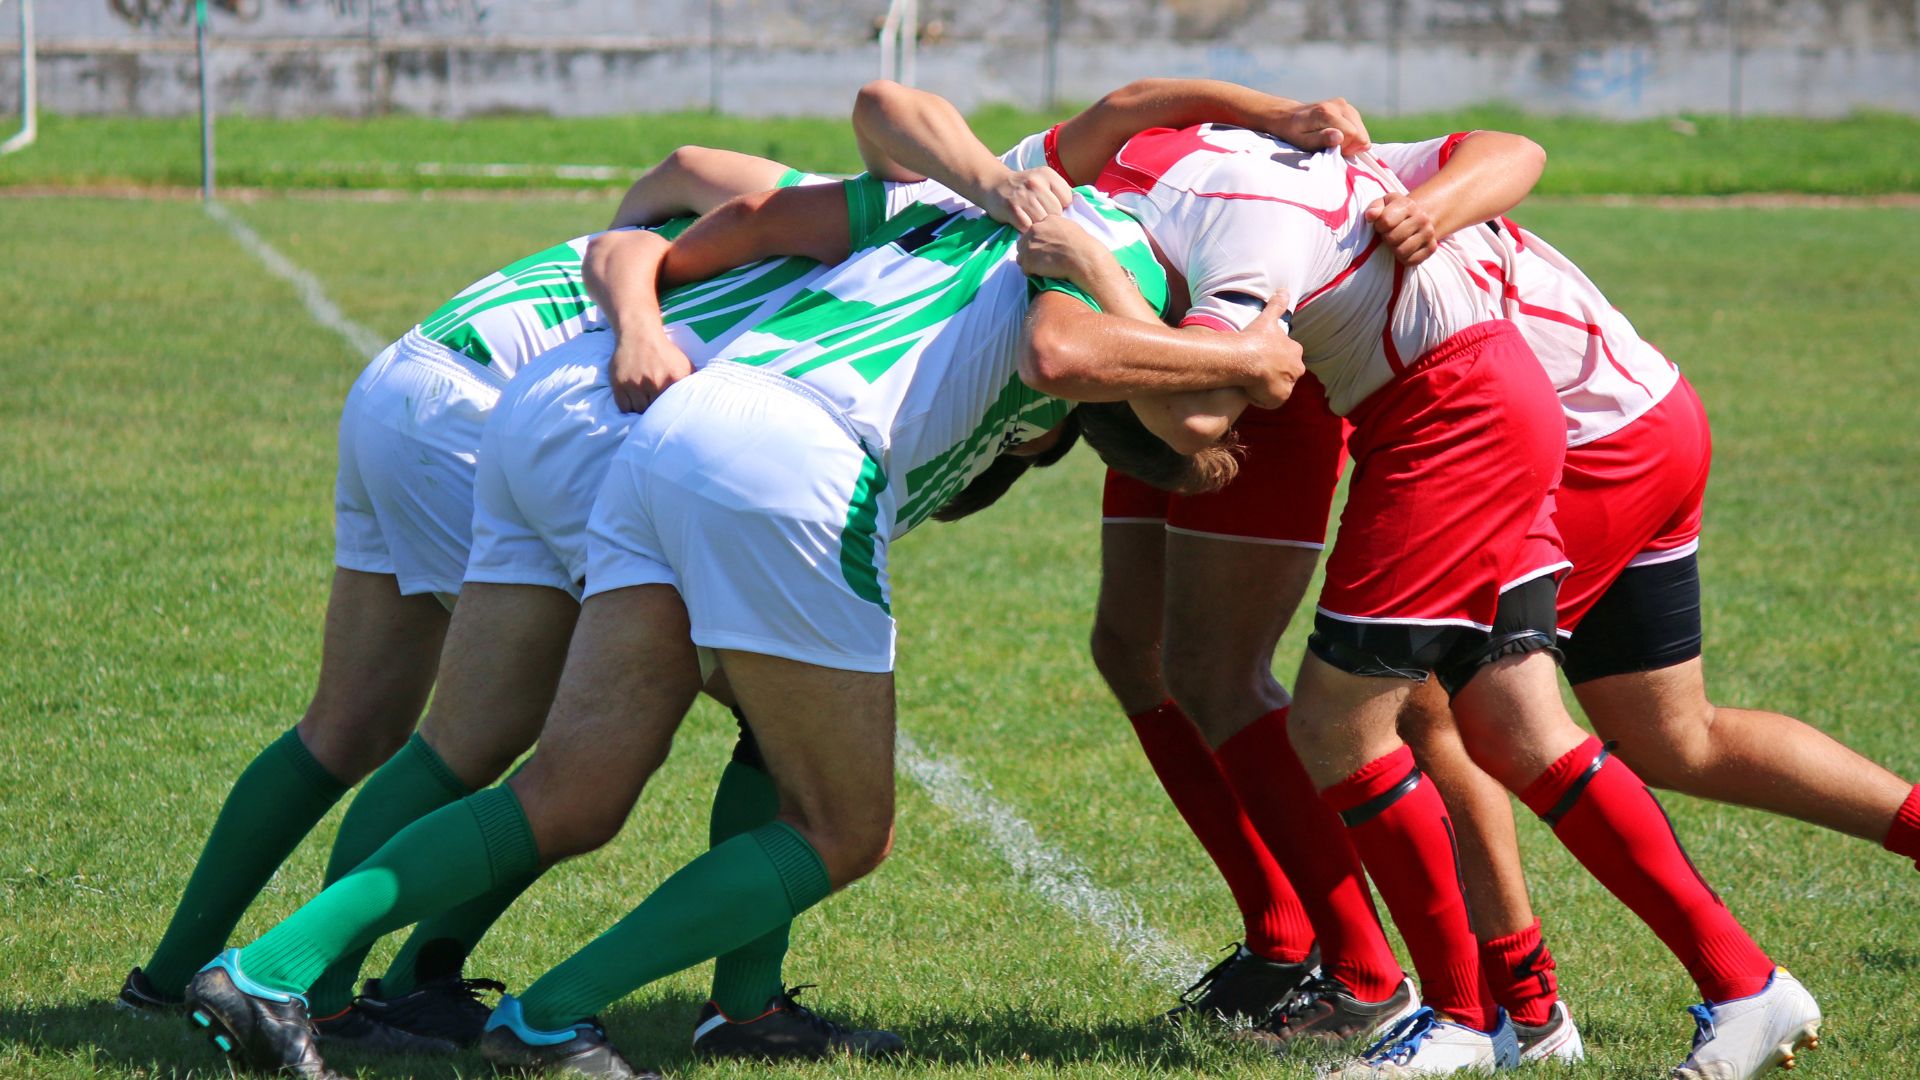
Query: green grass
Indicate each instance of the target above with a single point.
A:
(1863, 154)
(167, 433)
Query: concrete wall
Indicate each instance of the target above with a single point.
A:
(456, 57)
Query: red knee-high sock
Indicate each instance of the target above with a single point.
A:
(1519, 970)
(1277, 926)
(1904, 837)
(1610, 822)
(1397, 822)
(1310, 845)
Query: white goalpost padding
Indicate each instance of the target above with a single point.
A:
(29, 107)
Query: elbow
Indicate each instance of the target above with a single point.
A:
(1532, 155)
(874, 98)
(1195, 433)
(1053, 362)
(688, 160)
(1128, 97)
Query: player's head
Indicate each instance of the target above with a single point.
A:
(1125, 444)
(985, 490)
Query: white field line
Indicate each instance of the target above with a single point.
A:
(312, 296)
(1048, 871)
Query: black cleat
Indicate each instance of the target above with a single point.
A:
(587, 1053)
(269, 1035)
(1324, 1010)
(138, 995)
(1243, 988)
(447, 1009)
(354, 1027)
(787, 1029)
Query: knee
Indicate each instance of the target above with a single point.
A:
(350, 743)
(572, 830)
(1126, 656)
(851, 851)
(1668, 754)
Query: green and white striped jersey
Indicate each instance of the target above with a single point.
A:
(915, 338)
(527, 307)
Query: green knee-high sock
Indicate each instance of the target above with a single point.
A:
(718, 902)
(448, 857)
(277, 801)
(440, 945)
(415, 783)
(745, 978)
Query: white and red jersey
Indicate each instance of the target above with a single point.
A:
(1243, 216)
(1604, 373)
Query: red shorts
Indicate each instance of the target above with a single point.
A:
(1632, 498)
(1454, 468)
(1283, 494)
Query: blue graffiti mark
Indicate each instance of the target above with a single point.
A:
(1618, 73)
(1234, 64)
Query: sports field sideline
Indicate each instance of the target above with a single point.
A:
(168, 449)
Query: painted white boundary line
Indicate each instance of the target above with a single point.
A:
(1054, 875)
(312, 296)
(1048, 871)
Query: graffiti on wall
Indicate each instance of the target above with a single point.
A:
(325, 14)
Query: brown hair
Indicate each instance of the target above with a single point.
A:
(1125, 444)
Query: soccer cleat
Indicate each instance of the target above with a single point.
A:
(1243, 987)
(447, 1009)
(1324, 1010)
(139, 996)
(1742, 1038)
(264, 1030)
(787, 1029)
(354, 1027)
(1425, 1045)
(1556, 1040)
(581, 1050)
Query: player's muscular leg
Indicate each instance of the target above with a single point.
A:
(498, 673)
(1233, 601)
(377, 665)
(1482, 815)
(629, 678)
(1675, 738)
(1126, 623)
(1343, 721)
(1511, 717)
(827, 738)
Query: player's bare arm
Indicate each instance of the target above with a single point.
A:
(1072, 351)
(1487, 175)
(1090, 139)
(1058, 248)
(911, 135)
(625, 273)
(694, 180)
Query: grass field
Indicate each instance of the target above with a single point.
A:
(166, 454)
(1866, 154)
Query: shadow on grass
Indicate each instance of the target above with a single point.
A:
(653, 1031)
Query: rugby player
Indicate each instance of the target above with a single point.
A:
(1629, 508)
(404, 503)
(811, 474)
(1445, 565)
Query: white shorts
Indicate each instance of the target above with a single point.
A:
(749, 494)
(409, 440)
(542, 459)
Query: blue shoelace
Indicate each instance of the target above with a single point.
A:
(1702, 1024)
(1403, 1041)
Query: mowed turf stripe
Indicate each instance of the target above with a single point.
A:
(1051, 872)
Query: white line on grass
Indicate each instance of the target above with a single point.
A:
(1050, 872)
(312, 296)
(1056, 876)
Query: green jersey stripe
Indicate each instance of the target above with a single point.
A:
(859, 541)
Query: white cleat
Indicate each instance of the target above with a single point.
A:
(1742, 1038)
(1425, 1045)
(1556, 1040)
